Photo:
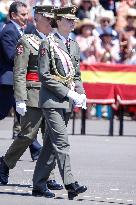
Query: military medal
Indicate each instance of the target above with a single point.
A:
(20, 49)
(42, 52)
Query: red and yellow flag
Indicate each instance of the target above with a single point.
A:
(109, 83)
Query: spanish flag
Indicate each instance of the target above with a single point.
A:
(109, 83)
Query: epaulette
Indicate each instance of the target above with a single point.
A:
(72, 40)
(33, 40)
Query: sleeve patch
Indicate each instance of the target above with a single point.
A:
(42, 52)
(20, 50)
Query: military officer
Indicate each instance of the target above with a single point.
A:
(9, 36)
(60, 90)
(26, 92)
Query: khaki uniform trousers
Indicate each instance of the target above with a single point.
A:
(16, 126)
(30, 124)
(55, 146)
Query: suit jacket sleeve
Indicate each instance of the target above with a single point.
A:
(46, 78)
(20, 70)
(8, 42)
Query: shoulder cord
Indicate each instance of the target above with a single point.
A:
(67, 78)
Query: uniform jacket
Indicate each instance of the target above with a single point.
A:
(25, 59)
(53, 93)
(8, 39)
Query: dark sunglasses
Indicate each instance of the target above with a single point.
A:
(105, 20)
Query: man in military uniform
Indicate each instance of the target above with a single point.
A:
(26, 92)
(9, 36)
(60, 90)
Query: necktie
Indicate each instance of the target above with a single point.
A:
(21, 31)
(67, 45)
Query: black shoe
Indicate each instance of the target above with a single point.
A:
(4, 172)
(53, 185)
(74, 189)
(45, 193)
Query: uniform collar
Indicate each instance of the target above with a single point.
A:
(42, 35)
(63, 38)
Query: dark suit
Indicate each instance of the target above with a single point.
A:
(8, 39)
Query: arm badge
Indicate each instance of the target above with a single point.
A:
(20, 50)
(42, 52)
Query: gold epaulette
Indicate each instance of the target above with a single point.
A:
(33, 40)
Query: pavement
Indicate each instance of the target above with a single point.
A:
(105, 164)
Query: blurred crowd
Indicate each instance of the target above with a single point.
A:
(105, 32)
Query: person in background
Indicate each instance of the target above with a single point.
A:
(106, 20)
(48, 2)
(128, 38)
(56, 3)
(84, 9)
(3, 19)
(109, 5)
(18, 14)
(86, 42)
(76, 2)
(4, 7)
(122, 10)
(96, 11)
(9, 36)
(130, 22)
(107, 51)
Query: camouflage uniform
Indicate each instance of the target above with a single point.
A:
(26, 88)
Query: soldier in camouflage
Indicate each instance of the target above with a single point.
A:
(26, 92)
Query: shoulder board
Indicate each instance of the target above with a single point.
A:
(72, 40)
(33, 40)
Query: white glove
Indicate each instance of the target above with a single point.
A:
(79, 100)
(21, 107)
(84, 101)
(75, 97)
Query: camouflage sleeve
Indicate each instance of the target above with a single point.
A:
(20, 70)
(46, 77)
(77, 78)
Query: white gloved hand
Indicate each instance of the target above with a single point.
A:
(81, 102)
(84, 101)
(21, 107)
(78, 102)
(77, 98)
(73, 95)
